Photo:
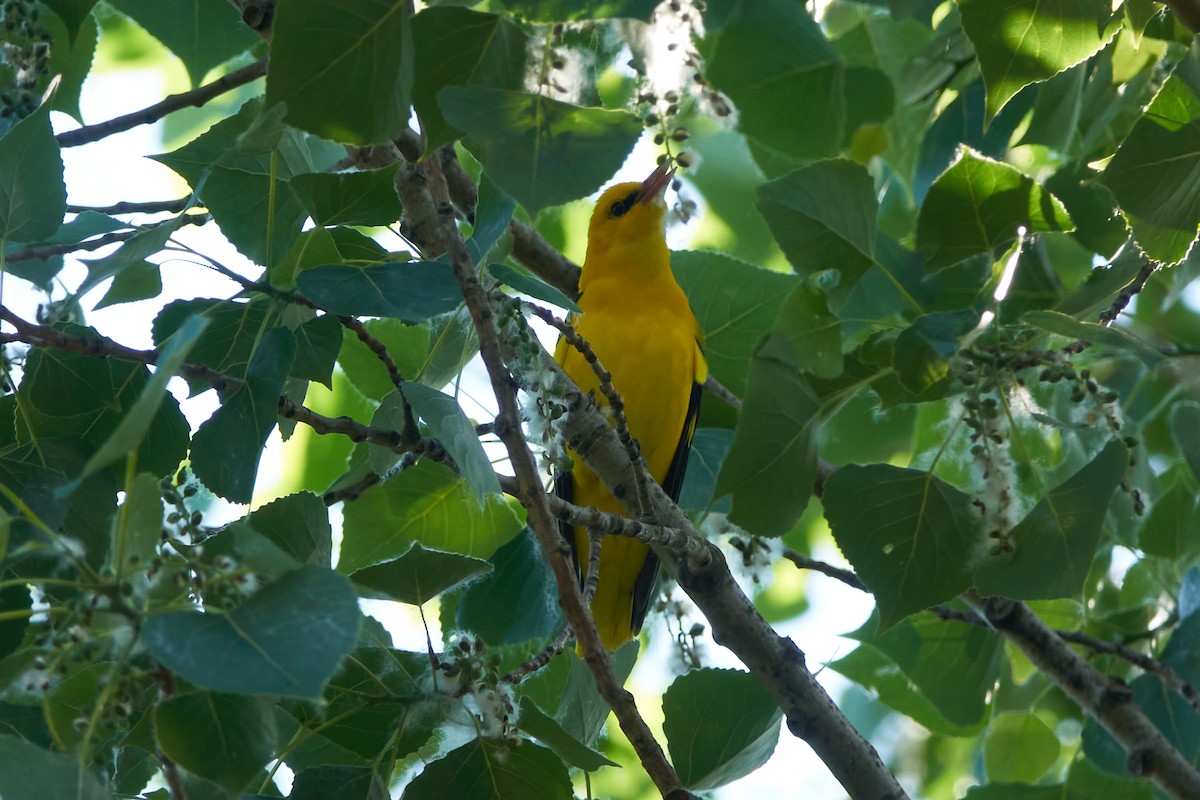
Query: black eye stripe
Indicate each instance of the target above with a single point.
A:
(619, 208)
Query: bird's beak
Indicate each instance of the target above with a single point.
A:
(654, 186)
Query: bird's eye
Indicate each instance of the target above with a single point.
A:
(618, 209)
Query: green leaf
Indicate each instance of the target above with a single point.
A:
(297, 524)
(338, 783)
(542, 152)
(350, 198)
(1093, 208)
(924, 349)
(33, 197)
(286, 640)
(225, 738)
(720, 724)
(459, 47)
(517, 601)
(70, 58)
(567, 689)
(910, 536)
(30, 773)
(130, 255)
(976, 207)
(875, 671)
(1086, 781)
(709, 448)
(776, 65)
(318, 343)
(1116, 338)
(227, 344)
(772, 462)
(1185, 425)
(344, 68)
(525, 283)
(241, 170)
(450, 426)
(139, 528)
(735, 304)
(227, 447)
(141, 281)
(823, 217)
(812, 330)
(1054, 545)
(536, 723)
(203, 33)
(954, 666)
(407, 344)
(1150, 172)
(311, 249)
(1017, 791)
(1019, 42)
(86, 397)
(1169, 530)
(72, 12)
(425, 503)
(132, 429)
(420, 574)
(491, 770)
(1103, 284)
(412, 291)
(1056, 110)
(1019, 747)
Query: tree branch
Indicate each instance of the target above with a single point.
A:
(196, 97)
(51, 250)
(1110, 703)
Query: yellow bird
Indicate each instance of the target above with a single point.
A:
(638, 321)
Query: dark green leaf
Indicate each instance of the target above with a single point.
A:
(33, 197)
(344, 69)
(338, 783)
(70, 58)
(130, 255)
(736, 304)
(30, 773)
(311, 249)
(909, 535)
(298, 525)
(225, 738)
(1019, 747)
(491, 770)
(412, 291)
(772, 462)
(203, 33)
(1110, 336)
(425, 503)
(459, 47)
(72, 12)
(812, 331)
(526, 283)
(1098, 224)
(132, 429)
(140, 281)
(318, 342)
(286, 640)
(1149, 173)
(1055, 117)
(540, 151)
(924, 349)
(139, 528)
(1170, 529)
(1185, 425)
(1054, 545)
(823, 216)
(1019, 42)
(456, 432)
(516, 601)
(580, 10)
(567, 689)
(785, 78)
(954, 666)
(228, 342)
(407, 344)
(1103, 284)
(976, 206)
(534, 722)
(720, 724)
(350, 198)
(420, 574)
(709, 448)
(227, 447)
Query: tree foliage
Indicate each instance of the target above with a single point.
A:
(942, 255)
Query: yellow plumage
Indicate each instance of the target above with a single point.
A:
(638, 321)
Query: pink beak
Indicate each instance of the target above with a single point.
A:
(656, 184)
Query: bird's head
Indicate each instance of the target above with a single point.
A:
(630, 212)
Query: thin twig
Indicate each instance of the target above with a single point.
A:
(51, 250)
(196, 97)
(844, 575)
(150, 207)
(540, 660)
(720, 391)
